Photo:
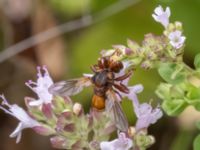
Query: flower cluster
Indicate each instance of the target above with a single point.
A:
(68, 125)
(71, 128)
(175, 34)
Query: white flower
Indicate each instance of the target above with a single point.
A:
(41, 87)
(25, 120)
(121, 143)
(105, 53)
(176, 39)
(162, 16)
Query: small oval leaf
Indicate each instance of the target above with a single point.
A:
(196, 144)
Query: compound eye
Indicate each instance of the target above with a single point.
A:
(116, 66)
(103, 62)
(106, 62)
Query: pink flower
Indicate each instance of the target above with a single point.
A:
(25, 120)
(176, 39)
(41, 87)
(162, 16)
(121, 143)
(145, 114)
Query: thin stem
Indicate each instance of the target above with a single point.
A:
(188, 67)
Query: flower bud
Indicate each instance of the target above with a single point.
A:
(131, 131)
(144, 140)
(146, 65)
(44, 130)
(58, 142)
(152, 139)
(77, 108)
(134, 46)
(178, 25)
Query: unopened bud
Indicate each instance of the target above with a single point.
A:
(152, 139)
(131, 131)
(146, 65)
(77, 108)
(178, 25)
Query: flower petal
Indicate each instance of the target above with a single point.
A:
(17, 132)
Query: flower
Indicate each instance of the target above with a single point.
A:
(145, 114)
(124, 50)
(25, 120)
(105, 53)
(133, 90)
(162, 16)
(121, 143)
(41, 87)
(176, 39)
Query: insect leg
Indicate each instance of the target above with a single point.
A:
(121, 87)
(117, 93)
(123, 77)
(95, 68)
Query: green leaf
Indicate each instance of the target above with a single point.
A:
(196, 144)
(198, 124)
(197, 106)
(174, 107)
(177, 92)
(193, 97)
(163, 91)
(197, 61)
(193, 93)
(171, 73)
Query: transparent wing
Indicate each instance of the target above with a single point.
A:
(70, 87)
(112, 105)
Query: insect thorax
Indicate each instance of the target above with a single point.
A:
(100, 79)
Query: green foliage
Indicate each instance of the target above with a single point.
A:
(143, 140)
(172, 73)
(173, 98)
(197, 61)
(198, 125)
(193, 96)
(196, 144)
(174, 107)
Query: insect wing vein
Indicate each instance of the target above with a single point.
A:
(69, 87)
(113, 105)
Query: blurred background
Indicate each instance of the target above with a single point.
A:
(67, 36)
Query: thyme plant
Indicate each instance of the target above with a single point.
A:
(69, 127)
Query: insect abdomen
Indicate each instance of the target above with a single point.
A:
(98, 102)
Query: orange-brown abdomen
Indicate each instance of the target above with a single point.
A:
(98, 102)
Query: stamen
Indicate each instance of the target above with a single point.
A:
(6, 111)
(39, 74)
(46, 73)
(4, 102)
(30, 84)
